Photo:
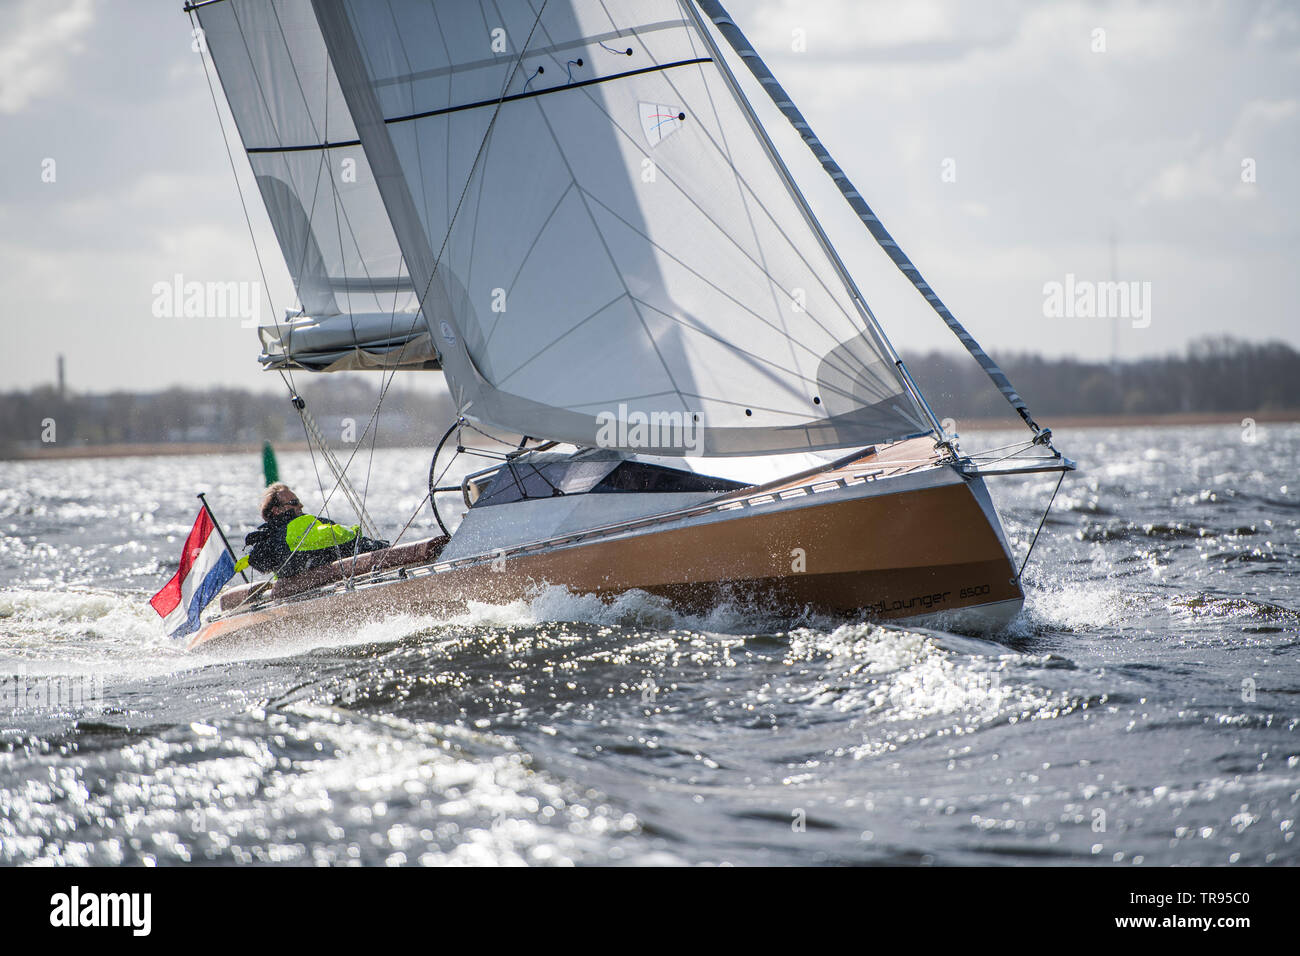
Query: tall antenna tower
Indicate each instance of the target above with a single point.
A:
(1114, 319)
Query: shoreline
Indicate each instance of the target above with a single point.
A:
(143, 450)
(156, 449)
(1163, 419)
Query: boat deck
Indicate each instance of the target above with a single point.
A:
(886, 461)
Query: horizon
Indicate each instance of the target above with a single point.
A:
(366, 379)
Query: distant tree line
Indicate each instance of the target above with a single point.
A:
(341, 406)
(1220, 374)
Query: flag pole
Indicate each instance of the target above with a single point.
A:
(224, 540)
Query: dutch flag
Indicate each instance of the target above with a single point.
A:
(205, 568)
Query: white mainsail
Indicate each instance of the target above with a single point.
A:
(359, 308)
(599, 235)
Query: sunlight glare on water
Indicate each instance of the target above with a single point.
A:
(1151, 677)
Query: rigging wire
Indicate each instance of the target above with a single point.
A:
(1041, 522)
(392, 372)
(311, 434)
(727, 27)
(447, 237)
(360, 507)
(286, 374)
(225, 141)
(340, 215)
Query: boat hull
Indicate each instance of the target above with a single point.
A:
(924, 547)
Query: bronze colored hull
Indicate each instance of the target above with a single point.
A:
(882, 556)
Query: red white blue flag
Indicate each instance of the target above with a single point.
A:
(206, 566)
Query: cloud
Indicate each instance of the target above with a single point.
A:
(1277, 24)
(853, 30)
(43, 37)
(1056, 146)
(1216, 171)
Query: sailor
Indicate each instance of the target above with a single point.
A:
(290, 542)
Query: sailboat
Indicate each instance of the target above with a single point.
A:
(571, 209)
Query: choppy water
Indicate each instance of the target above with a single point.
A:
(1143, 710)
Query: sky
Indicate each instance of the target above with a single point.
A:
(1006, 145)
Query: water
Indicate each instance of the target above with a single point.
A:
(1143, 710)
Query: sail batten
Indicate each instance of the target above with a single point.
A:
(302, 149)
(532, 94)
(536, 50)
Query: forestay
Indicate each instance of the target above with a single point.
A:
(605, 251)
(358, 306)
